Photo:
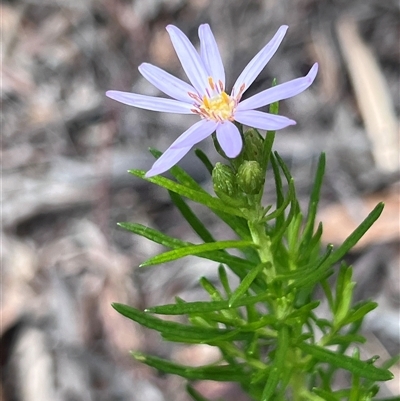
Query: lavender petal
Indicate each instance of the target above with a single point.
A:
(260, 120)
(151, 102)
(210, 54)
(229, 138)
(259, 61)
(279, 92)
(189, 58)
(167, 160)
(196, 133)
(167, 83)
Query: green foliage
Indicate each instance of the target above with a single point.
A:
(269, 330)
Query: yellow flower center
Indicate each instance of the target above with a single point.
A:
(218, 108)
(216, 104)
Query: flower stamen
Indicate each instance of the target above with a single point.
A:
(216, 104)
(211, 83)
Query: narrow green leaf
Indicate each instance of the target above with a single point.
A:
(270, 136)
(246, 283)
(304, 310)
(203, 307)
(395, 398)
(358, 312)
(323, 324)
(391, 362)
(194, 250)
(328, 293)
(229, 319)
(338, 254)
(292, 235)
(206, 320)
(253, 314)
(313, 204)
(237, 265)
(195, 195)
(279, 190)
(283, 166)
(274, 107)
(191, 218)
(277, 212)
(223, 278)
(268, 320)
(194, 394)
(154, 235)
(312, 397)
(284, 224)
(346, 339)
(354, 366)
(313, 246)
(211, 289)
(215, 373)
(355, 236)
(355, 382)
(196, 334)
(341, 282)
(204, 159)
(213, 319)
(278, 365)
(327, 396)
(267, 147)
(259, 376)
(309, 270)
(344, 295)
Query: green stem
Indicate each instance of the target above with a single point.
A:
(263, 242)
(298, 377)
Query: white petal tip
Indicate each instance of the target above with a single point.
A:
(149, 174)
(171, 27)
(202, 26)
(310, 77)
(142, 66)
(234, 154)
(313, 71)
(282, 30)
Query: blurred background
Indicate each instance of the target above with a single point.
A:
(66, 149)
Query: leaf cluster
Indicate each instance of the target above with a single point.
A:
(270, 331)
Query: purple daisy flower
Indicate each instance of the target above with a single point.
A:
(207, 97)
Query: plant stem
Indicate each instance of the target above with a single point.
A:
(263, 242)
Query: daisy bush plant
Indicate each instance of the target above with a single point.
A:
(273, 336)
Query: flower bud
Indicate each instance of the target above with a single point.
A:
(224, 180)
(253, 145)
(250, 177)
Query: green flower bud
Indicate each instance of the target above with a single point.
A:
(253, 145)
(225, 186)
(250, 177)
(224, 180)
